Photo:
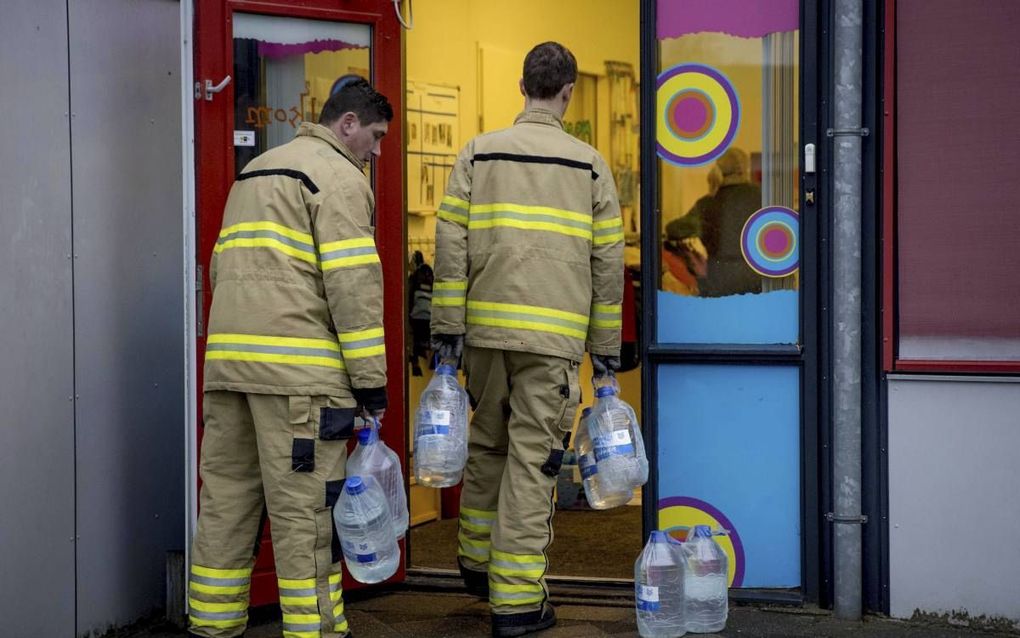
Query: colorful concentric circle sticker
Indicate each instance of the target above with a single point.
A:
(769, 241)
(679, 514)
(698, 114)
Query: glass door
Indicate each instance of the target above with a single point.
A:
(725, 359)
(262, 70)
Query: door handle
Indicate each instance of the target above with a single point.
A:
(210, 89)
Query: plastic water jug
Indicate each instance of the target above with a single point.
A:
(374, 458)
(659, 588)
(706, 582)
(440, 430)
(619, 447)
(363, 524)
(600, 496)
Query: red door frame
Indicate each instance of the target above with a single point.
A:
(215, 170)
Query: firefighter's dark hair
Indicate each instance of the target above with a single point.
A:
(547, 69)
(359, 97)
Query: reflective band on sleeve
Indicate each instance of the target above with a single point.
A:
(366, 343)
(516, 316)
(606, 316)
(267, 235)
(449, 293)
(608, 231)
(267, 349)
(348, 253)
(534, 218)
(453, 209)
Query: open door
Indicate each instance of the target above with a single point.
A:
(260, 70)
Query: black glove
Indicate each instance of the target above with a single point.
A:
(448, 347)
(604, 364)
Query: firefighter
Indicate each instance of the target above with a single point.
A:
(295, 350)
(528, 274)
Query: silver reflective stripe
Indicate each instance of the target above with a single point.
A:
(267, 234)
(289, 626)
(501, 214)
(509, 566)
(348, 252)
(237, 347)
(219, 582)
(218, 615)
(552, 321)
(295, 593)
(484, 522)
(474, 551)
(334, 587)
(514, 596)
(364, 343)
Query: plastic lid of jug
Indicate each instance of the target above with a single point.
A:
(658, 536)
(354, 485)
(446, 368)
(364, 434)
(702, 531)
(605, 391)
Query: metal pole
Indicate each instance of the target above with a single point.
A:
(848, 135)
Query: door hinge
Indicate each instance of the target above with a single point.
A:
(199, 310)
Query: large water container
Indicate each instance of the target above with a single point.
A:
(659, 588)
(363, 524)
(706, 582)
(600, 496)
(619, 447)
(373, 457)
(440, 430)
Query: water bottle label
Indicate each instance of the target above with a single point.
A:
(425, 428)
(620, 437)
(436, 417)
(647, 598)
(587, 465)
(604, 451)
(366, 558)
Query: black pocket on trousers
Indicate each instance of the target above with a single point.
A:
(302, 456)
(552, 465)
(336, 424)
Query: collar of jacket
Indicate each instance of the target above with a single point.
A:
(319, 131)
(539, 116)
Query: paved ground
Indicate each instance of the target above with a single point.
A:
(415, 614)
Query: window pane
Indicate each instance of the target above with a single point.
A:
(726, 132)
(284, 71)
(958, 157)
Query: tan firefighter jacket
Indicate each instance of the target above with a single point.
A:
(297, 284)
(529, 244)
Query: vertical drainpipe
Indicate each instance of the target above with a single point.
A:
(847, 135)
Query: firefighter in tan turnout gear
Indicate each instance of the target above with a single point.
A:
(295, 350)
(528, 274)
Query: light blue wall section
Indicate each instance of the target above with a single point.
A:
(769, 317)
(730, 436)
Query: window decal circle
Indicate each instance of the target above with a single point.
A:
(698, 114)
(769, 241)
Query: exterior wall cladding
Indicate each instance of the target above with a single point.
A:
(91, 456)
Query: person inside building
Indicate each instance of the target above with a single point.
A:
(534, 212)
(723, 215)
(295, 350)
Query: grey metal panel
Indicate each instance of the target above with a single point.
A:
(36, 382)
(129, 295)
(954, 505)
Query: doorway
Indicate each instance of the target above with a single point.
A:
(463, 61)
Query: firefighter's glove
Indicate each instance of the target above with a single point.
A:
(448, 347)
(604, 364)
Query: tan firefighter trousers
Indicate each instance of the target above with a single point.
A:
(524, 406)
(284, 455)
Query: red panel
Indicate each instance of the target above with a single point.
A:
(215, 169)
(958, 367)
(889, 190)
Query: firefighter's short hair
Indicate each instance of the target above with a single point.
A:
(357, 96)
(547, 69)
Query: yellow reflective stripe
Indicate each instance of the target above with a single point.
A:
(616, 222)
(270, 226)
(448, 301)
(202, 605)
(450, 216)
(335, 596)
(607, 323)
(296, 619)
(449, 285)
(472, 548)
(530, 225)
(348, 262)
(526, 325)
(219, 589)
(361, 353)
(266, 242)
(357, 242)
(222, 624)
(299, 601)
(334, 579)
(515, 599)
(296, 583)
(300, 634)
(607, 308)
(455, 202)
(261, 357)
(518, 572)
(531, 310)
(546, 211)
(474, 527)
(601, 240)
(371, 333)
(516, 589)
(518, 558)
(338, 609)
(212, 572)
(341, 628)
(478, 513)
(262, 340)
